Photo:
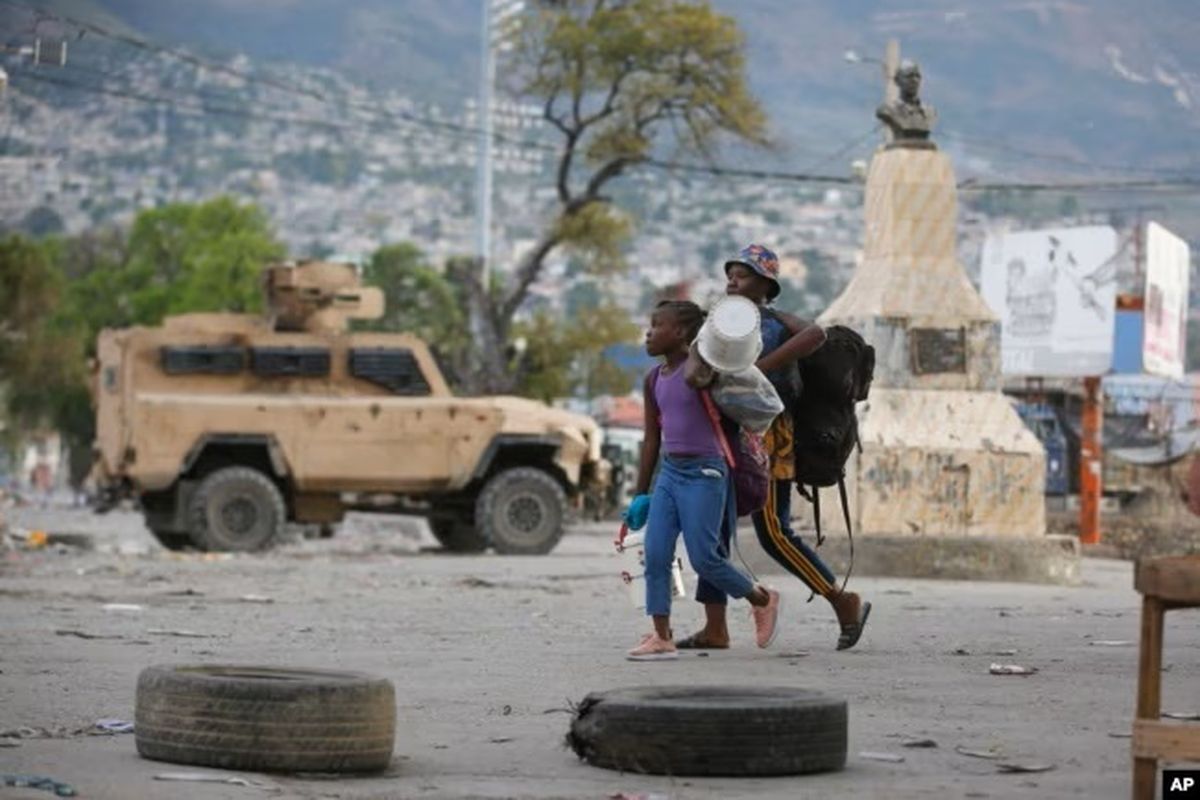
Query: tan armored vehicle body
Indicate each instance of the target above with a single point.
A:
(227, 426)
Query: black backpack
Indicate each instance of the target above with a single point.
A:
(835, 377)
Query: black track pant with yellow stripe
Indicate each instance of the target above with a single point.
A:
(774, 528)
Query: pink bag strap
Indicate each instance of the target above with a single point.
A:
(714, 416)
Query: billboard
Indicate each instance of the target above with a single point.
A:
(1055, 293)
(1167, 264)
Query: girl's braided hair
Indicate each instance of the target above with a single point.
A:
(686, 313)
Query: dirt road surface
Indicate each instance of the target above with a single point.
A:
(487, 652)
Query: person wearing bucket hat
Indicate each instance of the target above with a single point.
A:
(754, 275)
(757, 260)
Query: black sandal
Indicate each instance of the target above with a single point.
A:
(852, 631)
(697, 642)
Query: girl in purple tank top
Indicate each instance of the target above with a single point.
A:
(692, 491)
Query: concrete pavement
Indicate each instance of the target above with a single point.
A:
(487, 653)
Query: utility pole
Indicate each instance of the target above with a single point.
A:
(496, 17)
(1091, 461)
(888, 67)
(496, 21)
(891, 63)
(1091, 444)
(891, 92)
(483, 163)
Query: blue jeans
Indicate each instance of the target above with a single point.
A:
(690, 497)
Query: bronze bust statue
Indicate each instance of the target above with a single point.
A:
(908, 118)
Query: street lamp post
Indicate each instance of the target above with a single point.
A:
(483, 161)
(497, 14)
(888, 66)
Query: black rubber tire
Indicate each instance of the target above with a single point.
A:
(711, 731)
(456, 535)
(521, 511)
(170, 539)
(266, 719)
(236, 509)
(158, 513)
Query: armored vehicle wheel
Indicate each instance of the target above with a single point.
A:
(265, 718)
(158, 514)
(170, 539)
(236, 508)
(521, 512)
(457, 535)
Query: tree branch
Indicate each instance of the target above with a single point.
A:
(610, 101)
(562, 181)
(526, 274)
(603, 175)
(548, 111)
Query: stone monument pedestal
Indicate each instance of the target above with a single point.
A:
(945, 459)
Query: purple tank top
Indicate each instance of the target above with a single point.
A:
(686, 427)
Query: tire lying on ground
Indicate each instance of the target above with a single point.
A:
(265, 719)
(711, 731)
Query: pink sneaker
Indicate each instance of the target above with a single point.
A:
(766, 619)
(652, 648)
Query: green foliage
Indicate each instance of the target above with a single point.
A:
(565, 357)
(620, 80)
(419, 300)
(595, 235)
(198, 257)
(179, 258)
(32, 286)
(632, 69)
(41, 356)
(176, 259)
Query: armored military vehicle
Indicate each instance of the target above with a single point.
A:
(226, 427)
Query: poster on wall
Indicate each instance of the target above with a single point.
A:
(1168, 261)
(1055, 292)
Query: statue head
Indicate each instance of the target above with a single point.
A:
(908, 79)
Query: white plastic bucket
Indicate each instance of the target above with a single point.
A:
(730, 339)
(633, 570)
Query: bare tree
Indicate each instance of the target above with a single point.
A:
(619, 80)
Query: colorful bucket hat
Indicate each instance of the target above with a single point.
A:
(763, 261)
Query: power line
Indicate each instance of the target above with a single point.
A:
(841, 151)
(1186, 184)
(285, 86)
(176, 104)
(970, 185)
(151, 47)
(1180, 184)
(377, 116)
(202, 109)
(738, 172)
(1004, 147)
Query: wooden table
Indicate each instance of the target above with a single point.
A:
(1165, 584)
